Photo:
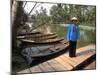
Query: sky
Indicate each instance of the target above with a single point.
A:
(30, 5)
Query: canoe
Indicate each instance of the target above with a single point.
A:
(29, 33)
(38, 36)
(41, 52)
(39, 41)
(41, 35)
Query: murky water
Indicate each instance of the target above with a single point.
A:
(87, 34)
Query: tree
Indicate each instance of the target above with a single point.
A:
(40, 17)
(58, 13)
(19, 19)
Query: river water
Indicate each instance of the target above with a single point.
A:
(87, 33)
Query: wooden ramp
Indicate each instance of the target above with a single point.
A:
(64, 62)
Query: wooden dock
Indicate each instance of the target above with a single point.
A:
(64, 62)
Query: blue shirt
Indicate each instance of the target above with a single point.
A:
(73, 35)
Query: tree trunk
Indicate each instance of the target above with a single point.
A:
(16, 20)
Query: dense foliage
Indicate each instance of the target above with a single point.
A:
(61, 13)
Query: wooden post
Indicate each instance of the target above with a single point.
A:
(17, 11)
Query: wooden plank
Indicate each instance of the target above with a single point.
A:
(65, 64)
(83, 58)
(35, 69)
(82, 55)
(43, 67)
(80, 52)
(45, 38)
(47, 67)
(37, 36)
(66, 59)
(26, 40)
(69, 58)
(42, 41)
(40, 38)
(86, 47)
(25, 71)
(57, 66)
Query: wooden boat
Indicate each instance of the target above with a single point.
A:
(37, 36)
(41, 41)
(29, 33)
(42, 53)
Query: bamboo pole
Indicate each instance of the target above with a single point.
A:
(24, 5)
(32, 8)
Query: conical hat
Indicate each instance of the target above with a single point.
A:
(74, 18)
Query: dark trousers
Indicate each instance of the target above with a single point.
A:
(72, 48)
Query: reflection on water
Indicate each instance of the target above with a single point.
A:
(87, 35)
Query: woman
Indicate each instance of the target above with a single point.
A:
(73, 36)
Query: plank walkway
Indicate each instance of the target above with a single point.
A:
(64, 62)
